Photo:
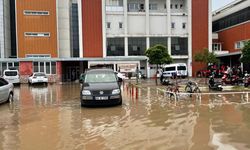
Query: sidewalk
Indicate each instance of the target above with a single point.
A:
(202, 82)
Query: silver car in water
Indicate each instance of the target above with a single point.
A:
(6, 91)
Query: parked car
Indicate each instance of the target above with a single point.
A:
(173, 70)
(38, 77)
(12, 76)
(6, 91)
(100, 87)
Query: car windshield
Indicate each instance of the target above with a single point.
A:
(181, 67)
(10, 73)
(169, 69)
(39, 74)
(100, 77)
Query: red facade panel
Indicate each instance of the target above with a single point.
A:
(92, 28)
(200, 33)
(230, 36)
(26, 68)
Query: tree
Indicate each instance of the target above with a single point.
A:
(206, 57)
(158, 55)
(245, 58)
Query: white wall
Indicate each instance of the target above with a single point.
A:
(115, 19)
(64, 7)
(7, 35)
(1, 30)
(158, 24)
(178, 20)
(136, 24)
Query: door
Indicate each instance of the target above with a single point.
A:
(4, 90)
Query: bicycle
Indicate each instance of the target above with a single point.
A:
(172, 91)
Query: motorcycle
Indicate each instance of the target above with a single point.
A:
(214, 85)
(246, 79)
(166, 81)
(226, 79)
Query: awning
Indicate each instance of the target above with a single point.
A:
(229, 54)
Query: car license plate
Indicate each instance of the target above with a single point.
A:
(101, 98)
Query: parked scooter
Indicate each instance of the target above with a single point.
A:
(234, 79)
(214, 85)
(166, 81)
(246, 79)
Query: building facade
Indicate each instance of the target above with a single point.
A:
(5, 34)
(231, 28)
(63, 38)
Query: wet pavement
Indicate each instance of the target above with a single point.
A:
(50, 118)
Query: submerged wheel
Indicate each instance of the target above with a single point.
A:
(10, 98)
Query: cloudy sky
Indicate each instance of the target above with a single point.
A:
(220, 3)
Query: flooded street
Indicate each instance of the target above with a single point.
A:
(50, 118)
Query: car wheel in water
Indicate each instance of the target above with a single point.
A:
(10, 98)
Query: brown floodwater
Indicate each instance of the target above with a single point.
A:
(50, 118)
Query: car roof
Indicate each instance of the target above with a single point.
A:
(106, 70)
(173, 65)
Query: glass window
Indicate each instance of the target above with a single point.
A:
(152, 6)
(41, 66)
(35, 67)
(169, 69)
(47, 67)
(4, 65)
(3, 82)
(159, 40)
(183, 25)
(136, 46)
(172, 25)
(120, 25)
(53, 67)
(100, 77)
(115, 47)
(108, 25)
(179, 46)
(181, 68)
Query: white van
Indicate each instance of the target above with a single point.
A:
(179, 69)
(11, 76)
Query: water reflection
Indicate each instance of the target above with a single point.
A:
(51, 118)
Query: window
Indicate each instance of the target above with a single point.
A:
(176, 6)
(183, 25)
(3, 82)
(133, 7)
(159, 40)
(165, 6)
(172, 25)
(108, 25)
(120, 25)
(179, 46)
(115, 47)
(136, 46)
(240, 44)
(153, 7)
(38, 56)
(35, 13)
(37, 34)
(142, 7)
(231, 20)
(216, 46)
(45, 67)
(181, 6)
(171, 6)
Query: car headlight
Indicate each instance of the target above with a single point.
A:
(116, 91)
(86, 92)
